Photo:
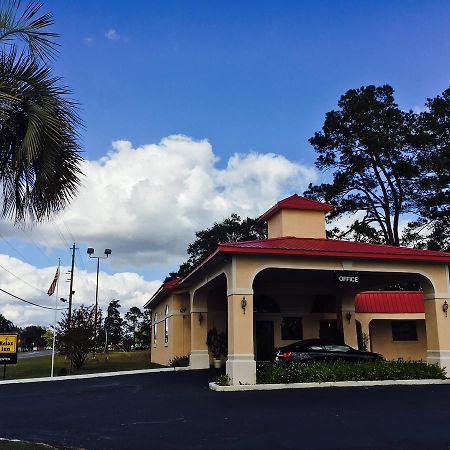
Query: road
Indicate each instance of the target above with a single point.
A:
(178, 411)
(23, 355)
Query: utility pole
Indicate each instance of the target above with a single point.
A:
(70, 301)
(71, 284)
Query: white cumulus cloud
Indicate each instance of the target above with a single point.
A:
(129, 288)
(146, 203)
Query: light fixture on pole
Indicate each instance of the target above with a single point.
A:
(90, 252)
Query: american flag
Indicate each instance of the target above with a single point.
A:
(52, 287)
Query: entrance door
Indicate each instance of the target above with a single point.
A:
(329, 330)
(264, 340)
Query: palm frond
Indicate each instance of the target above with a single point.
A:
(29, 27)
(39, 149)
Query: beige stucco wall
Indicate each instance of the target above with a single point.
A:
(382, 342)
(178, 317)
(290, 222)
(240, 272)
(248, 266)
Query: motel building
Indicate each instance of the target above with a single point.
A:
(297, 284)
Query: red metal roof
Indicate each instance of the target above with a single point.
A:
(171, 283)
(332, 248)
(296, 202)
(389, 302)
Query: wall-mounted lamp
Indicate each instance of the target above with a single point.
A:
(243, 304)
(348, 316)
(200, 318)
(445, 307)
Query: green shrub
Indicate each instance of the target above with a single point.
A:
(321, 372)
(179, 361)
(223, 380)
(217, 343)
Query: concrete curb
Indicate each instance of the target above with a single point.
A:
(272, 387)
(94, 375)
(28, 442)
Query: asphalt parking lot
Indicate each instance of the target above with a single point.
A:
(178, 411)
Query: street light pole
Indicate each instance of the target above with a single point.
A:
(90, 252)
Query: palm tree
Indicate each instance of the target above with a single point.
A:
(39, 143)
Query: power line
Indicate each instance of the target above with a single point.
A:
(68, 230)
(80, 258)
(31, 303)
(63, 239)
(38, 246)
(14, 248)
(21, 279)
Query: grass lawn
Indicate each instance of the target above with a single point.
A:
(41, 366)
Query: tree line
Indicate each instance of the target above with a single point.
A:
(78, 336)
(387, 165)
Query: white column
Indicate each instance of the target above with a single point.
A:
(438, 330)
(241, 364)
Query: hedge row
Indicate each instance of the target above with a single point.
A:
(321, 372)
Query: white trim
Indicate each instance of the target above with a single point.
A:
(439, 357)
(437, 296)
(239, 291)
(208, 279)
(241, 368)
(94, 375)
(287, 266)
(233, 274)
(347, 265)
(329, 384)
(186, 313)
(199, 359)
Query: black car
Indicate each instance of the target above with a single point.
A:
(311, 350)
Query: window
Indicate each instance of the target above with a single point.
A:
(166, 325)
(336, 348)
(291, 328)
(155, 328)
(404, 330)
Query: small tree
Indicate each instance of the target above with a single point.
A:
(33, 336)
(48, 337)
(114, 323)
(131, 325)
(137, 326)
(6, 326)
(76, 339)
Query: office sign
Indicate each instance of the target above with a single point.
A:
(8, 348)
(347, 277)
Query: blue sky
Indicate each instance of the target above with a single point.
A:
(246, 75)
(254, 79)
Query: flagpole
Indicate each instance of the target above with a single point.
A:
(56, 312)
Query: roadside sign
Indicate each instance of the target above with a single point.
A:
(8, 348)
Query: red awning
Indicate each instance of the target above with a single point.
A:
(389, 302)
